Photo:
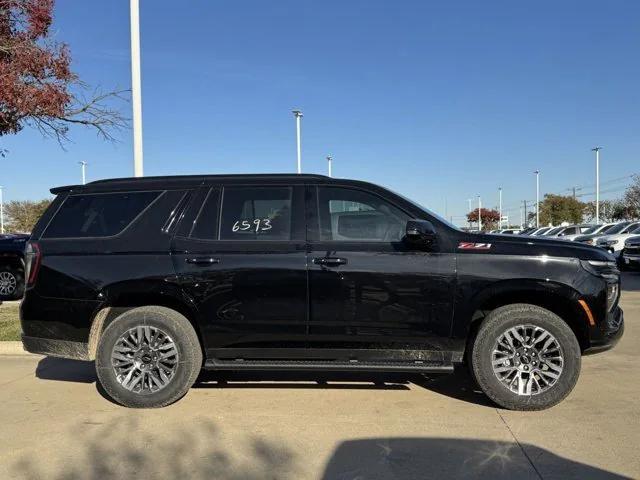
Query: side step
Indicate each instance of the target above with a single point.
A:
(328, 365)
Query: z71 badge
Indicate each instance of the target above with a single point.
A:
(474, 246)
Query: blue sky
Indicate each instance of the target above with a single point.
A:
(440, 101)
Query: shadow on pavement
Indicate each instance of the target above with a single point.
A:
(459, 385)
(130, 447)
(439, 458)
(630, 282)
(64, 370)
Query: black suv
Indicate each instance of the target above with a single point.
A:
(157, 278)
(12, 266)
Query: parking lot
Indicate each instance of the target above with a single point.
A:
(55, 423)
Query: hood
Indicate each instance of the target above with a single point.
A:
(516, 245)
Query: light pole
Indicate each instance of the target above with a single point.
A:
(597, 150)
(500, 208)
(1, 212)
(298, 115)
(136, 88)
(537, 172)
(329, 160)
(479, 214)
(83, 165)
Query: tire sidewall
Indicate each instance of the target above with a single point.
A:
(495, 325)
(189, 355)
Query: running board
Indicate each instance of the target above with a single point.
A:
(316, 365)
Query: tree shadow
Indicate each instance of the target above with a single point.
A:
(127, 448)
(452, 458)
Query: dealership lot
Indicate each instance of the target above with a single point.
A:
(56, 424)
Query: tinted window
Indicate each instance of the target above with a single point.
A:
(206, 225)
(616, 228)
(98, 215)
(354, 215)
(256, 213)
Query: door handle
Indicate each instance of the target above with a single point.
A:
(202, 260)
(330, 261)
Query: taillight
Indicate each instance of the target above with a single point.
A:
(33, 257)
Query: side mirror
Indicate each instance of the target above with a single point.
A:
(420, 232)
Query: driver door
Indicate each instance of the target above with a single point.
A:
(368, 289)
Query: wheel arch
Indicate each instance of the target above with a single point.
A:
(125, 301)
(558, 298)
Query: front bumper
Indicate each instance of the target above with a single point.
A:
(610, 336)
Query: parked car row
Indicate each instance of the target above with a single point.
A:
(622, 239)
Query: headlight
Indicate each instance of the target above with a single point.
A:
(612, 295)
(611, 242)
(609, 271)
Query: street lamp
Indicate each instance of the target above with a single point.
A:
(500, 209)
(83, 165)
(479, 214)
(597, 150)
(298, 115)
(136, 88)
(329, 160)
(537, 172)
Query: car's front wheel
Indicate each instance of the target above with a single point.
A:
(148, 357)
(525, 357)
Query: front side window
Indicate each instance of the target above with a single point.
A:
(358, 216)
(256, 213)
(97, 215)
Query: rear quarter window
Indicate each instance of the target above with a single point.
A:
(98, 215)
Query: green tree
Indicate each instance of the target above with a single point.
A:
(555, 209)
(22, 215)
(631, 199)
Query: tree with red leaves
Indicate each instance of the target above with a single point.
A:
(37, 86)
(489, 217)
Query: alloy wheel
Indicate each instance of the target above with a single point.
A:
(527, 359)
(144, 359)
(8, 284)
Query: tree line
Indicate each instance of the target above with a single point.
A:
(556, 209)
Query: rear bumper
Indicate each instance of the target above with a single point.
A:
(611, 336)
(56, 348)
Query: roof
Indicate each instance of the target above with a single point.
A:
(190, 180)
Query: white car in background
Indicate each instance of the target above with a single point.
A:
(615, 242)
(591, 230)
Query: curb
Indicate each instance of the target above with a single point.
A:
(13, 348)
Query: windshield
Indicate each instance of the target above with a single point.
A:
(553, 231)
(592, 229)
(636, 230)
(616, 228)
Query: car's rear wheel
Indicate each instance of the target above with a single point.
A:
(525, 357)
(148, 357)
(11, 283)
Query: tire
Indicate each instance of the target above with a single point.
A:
(549, 391)
(175, 334)
(11, 283)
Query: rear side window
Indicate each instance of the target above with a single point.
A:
(256, 213)
(98, 215)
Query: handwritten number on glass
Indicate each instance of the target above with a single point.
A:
(256, 225)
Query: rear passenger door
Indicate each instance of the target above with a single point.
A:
(240, 257)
